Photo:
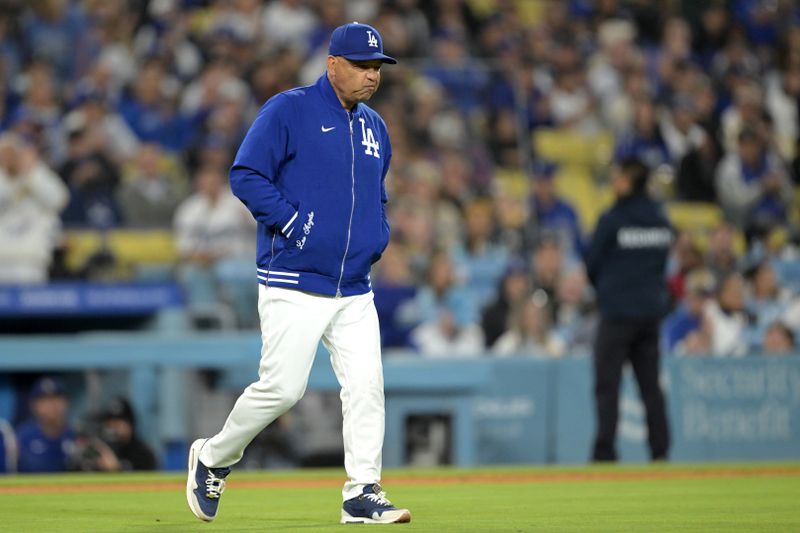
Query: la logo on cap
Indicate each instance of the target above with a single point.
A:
(346, 41)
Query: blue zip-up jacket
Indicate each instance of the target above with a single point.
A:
(312, 174)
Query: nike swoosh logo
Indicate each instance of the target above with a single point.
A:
(326, 130)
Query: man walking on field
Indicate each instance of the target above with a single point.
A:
(311, 170)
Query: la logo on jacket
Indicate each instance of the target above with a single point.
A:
(368, 140)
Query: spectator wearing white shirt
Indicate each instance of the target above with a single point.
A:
(681, 132)
(571, 102)
(113, 134)
(31, 198)
(725, 319)
(446, 314)
(445, 337)
(288, 23)
(753, 185)
(781, 100)
(530, 333)
(27, 177)
(214, 234)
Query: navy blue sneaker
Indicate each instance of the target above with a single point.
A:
(372, 507)
(204, 485)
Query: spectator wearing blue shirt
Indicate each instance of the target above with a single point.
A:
(767, 300)
(36, 114)
(688, 317)
(481, 263)
(760, 20)
(644, 142)
(463, 82)
(446, 313)
(552, 213)
(395, 290)
(45, 441)
(9, 48)
(57, 33)
(151, 114)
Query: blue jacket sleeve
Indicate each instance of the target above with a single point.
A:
(255, 171)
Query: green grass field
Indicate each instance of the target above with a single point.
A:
(752, 497)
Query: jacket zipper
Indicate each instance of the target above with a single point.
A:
(352, 204)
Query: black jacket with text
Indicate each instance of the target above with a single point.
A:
(627, 257)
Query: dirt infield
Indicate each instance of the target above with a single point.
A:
(404, 480)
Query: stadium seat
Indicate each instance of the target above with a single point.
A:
(577, 185)
(699, 219)
(568, 147)
(514, 183)
(131, 248)
(692, 216)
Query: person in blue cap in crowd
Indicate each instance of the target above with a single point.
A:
(552, 213)
(46, 441)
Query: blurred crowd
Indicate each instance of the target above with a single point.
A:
(127, 114)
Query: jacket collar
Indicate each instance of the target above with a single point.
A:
(329, 95)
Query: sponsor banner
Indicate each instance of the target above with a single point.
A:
(74, 299)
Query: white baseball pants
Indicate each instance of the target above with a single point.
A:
(292, 324)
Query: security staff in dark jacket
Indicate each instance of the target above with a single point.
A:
(626, 263)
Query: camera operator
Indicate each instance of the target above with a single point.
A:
(110, 444)
(118, 432)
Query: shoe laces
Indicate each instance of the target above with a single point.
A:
(378, 498)
(215, 484)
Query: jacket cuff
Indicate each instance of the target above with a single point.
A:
(288, 227)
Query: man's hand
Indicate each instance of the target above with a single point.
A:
(448, 324)
(27, 158)
(106, 459)
(202, 258)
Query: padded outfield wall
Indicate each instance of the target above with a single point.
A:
(511, 410)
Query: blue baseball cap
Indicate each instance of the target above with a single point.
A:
(543, 169)
(358, 42)
(47, 386)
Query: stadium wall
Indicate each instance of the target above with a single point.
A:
(510, 410)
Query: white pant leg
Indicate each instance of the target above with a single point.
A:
(292, 323)
(353, 339)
